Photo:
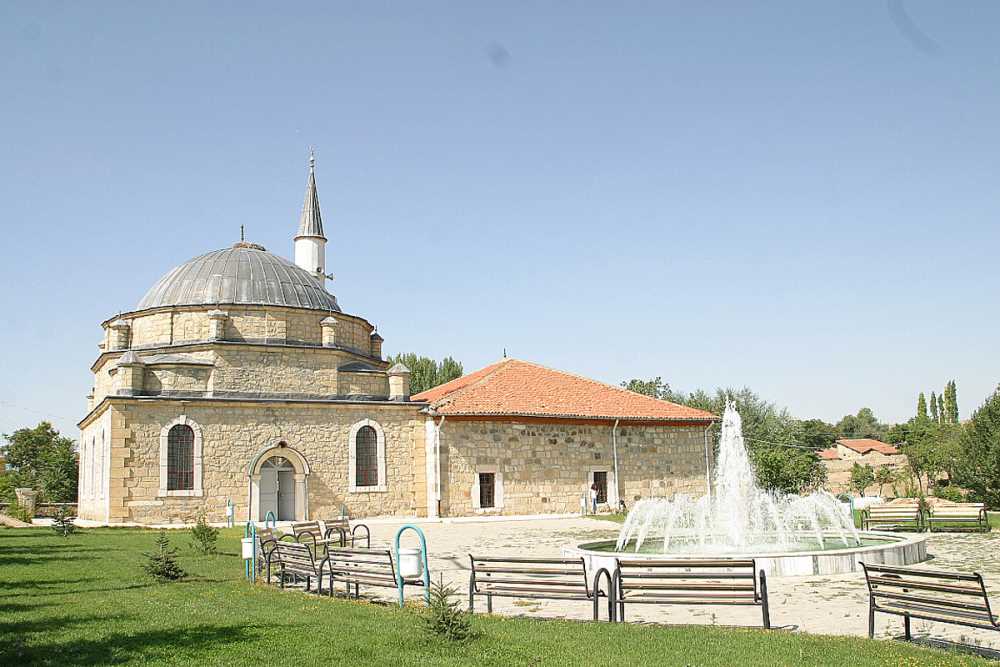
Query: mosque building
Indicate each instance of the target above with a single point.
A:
(239, 379)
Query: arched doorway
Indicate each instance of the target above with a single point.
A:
(277, 489)
(279, 483)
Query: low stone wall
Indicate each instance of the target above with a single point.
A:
(45, 510)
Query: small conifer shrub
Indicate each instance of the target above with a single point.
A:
(62, 522)
(205, 538)
(444, 617)
(161, 564)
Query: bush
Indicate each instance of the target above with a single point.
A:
(17, 512)
(62, 522)
(162, 563)
(952, 493)
(444, 617)
(205, 537)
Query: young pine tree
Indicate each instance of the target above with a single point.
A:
(161, 564)
(935, 416)
(204, 536)
(444, 617)
(62, 523)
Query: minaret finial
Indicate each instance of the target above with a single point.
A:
(242, 235)
(312, 159)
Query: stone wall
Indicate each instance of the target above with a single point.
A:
(546, 467)
(363, 384)
(185, 324)
(838, 472)
(234, 432)
(166, 379)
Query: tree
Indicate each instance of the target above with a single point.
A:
(884, 475)
(425, 373)
(788, 470)
(41, 458)
(935, 416)
(817, 434)
(951, 403)
(922, 407)
(940, 409)
(862, 425)
(161, 564)
(654, 387)
(979, 465)
(862, 476)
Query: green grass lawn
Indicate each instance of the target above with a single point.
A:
(85, 600)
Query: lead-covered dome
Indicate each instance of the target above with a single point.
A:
(243, 274)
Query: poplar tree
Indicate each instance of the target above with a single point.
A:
(935, 415)
(922, 407)
(951, 403)
(943, 417)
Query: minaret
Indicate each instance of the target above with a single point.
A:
(310, 244)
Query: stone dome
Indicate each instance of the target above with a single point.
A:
(243, 274)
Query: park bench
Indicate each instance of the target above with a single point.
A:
(266, 539)
(892, 516)
(931, 595)
(314, 534)
(689, 582)
(539, 578)
(295, 559)
(365, 567)
(961, 515)
(342, 526)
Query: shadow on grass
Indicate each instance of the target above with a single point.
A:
(44, 583)
(957, 647)
(166, 644)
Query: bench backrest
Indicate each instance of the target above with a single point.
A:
(529, 575)
(965, 510)
(906, 512)
(934, 594)
(726, 581)
(294, 556)
(311, 528)
(361, 563)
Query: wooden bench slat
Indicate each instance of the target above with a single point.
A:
(920, 572)
(924, 586)
(672, 564)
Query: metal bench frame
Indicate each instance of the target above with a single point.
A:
(537, 578)
(910, 592)
(297, 559)
(901, 516)
(689, 582)
(368, 567)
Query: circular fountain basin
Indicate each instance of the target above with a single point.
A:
(806, 557)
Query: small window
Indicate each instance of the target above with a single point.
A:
(601, 480)
(366, 457)
(487, 490)
(180, 458)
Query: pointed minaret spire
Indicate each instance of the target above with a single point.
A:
(310, 243)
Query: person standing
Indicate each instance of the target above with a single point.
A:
(593, 498)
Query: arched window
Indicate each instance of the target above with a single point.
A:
(180, 458)
(366, 469)
(366, 457)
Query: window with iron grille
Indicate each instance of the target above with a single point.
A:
(487, 489)
(601, 480)
(366, 457)
(180, 458)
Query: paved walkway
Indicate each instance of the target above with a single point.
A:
(821, 604)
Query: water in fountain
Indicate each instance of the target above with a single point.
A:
(738, 516)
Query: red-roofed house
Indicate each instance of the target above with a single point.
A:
(519, 438)
(840, 459)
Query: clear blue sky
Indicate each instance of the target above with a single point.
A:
(798, 197)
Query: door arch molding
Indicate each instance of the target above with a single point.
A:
(298, 462)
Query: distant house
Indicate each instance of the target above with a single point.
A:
(839, 459)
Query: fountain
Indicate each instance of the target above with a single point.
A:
(787, 534)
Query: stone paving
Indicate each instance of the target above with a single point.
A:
(820, 604)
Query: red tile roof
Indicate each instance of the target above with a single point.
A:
(865, 445)
(515, 388)
(829, 454)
